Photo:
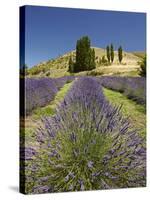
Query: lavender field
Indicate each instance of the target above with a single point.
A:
(82, 99)
(41, 91)
(133, 87)
(89, 141)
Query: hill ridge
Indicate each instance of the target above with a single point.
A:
(59, 66)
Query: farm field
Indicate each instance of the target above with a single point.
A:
(79, 137)
(82, 99)
(135, 112)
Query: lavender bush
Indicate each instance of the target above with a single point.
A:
(63, 80)
(87, 145)
(41, 91)
(134, 88)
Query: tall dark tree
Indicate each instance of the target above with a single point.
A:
(108, 53)
(85, 57)
(92, 63)
(120, 55)
(112, 53)
(78, 65)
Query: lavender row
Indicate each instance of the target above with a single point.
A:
(39, 92)
(134, 88)
(63, 80)
(87, 145)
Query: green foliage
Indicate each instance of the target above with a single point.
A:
(108, 53)
(48, 73)
(92, 64)
(71, 169)
(112, 53)
(85, 56)
(143, 67)
(120, 55)
(103, 61)
(37, 70)
(71, 65)
(94, 73)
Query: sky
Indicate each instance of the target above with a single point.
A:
(51, 32)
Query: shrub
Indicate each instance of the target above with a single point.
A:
(103, 61)
(108, 53)
(48, 73)
(94, 73)
(143, 67)
(71, 65)
(120, 56)
(112, 53)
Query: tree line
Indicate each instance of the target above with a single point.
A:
(85, 56)
(110, 53)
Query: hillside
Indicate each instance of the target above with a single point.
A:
(139, 54)
(58, 67)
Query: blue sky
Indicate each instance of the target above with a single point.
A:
(51, 32)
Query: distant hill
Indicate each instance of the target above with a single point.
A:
(58, 67)
(139, 54)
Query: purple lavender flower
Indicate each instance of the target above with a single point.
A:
(134, 88)
(41, 189)
(91, 139)
(27, 153)
(90, 164)
(40, 91)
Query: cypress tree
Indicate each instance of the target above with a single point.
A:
(85, 57)
(93, 57)
(92, 64)
(112, 53)
(120, 56)
(78, 57)
(108, 53)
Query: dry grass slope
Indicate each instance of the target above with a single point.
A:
(59, 67)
